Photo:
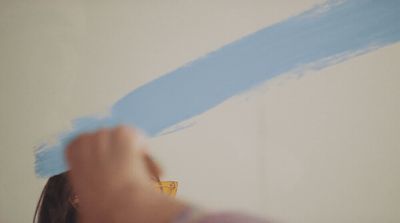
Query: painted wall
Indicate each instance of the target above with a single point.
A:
(317, 147)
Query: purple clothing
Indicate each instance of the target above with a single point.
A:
(193, 215)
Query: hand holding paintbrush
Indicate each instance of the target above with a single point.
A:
(111, 171)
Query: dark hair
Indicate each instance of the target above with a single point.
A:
(54, 205)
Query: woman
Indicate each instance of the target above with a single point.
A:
(93, 159)
(59, 204)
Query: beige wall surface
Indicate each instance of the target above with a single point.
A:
(321, 147)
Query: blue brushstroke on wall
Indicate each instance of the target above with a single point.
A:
(323, 35)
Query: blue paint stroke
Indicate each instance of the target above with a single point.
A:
(321, 36)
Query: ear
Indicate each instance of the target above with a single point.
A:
(74, 201)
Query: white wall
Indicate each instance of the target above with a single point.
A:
(318, 148)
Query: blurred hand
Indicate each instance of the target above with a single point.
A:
(105, 166)
(111, 173)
